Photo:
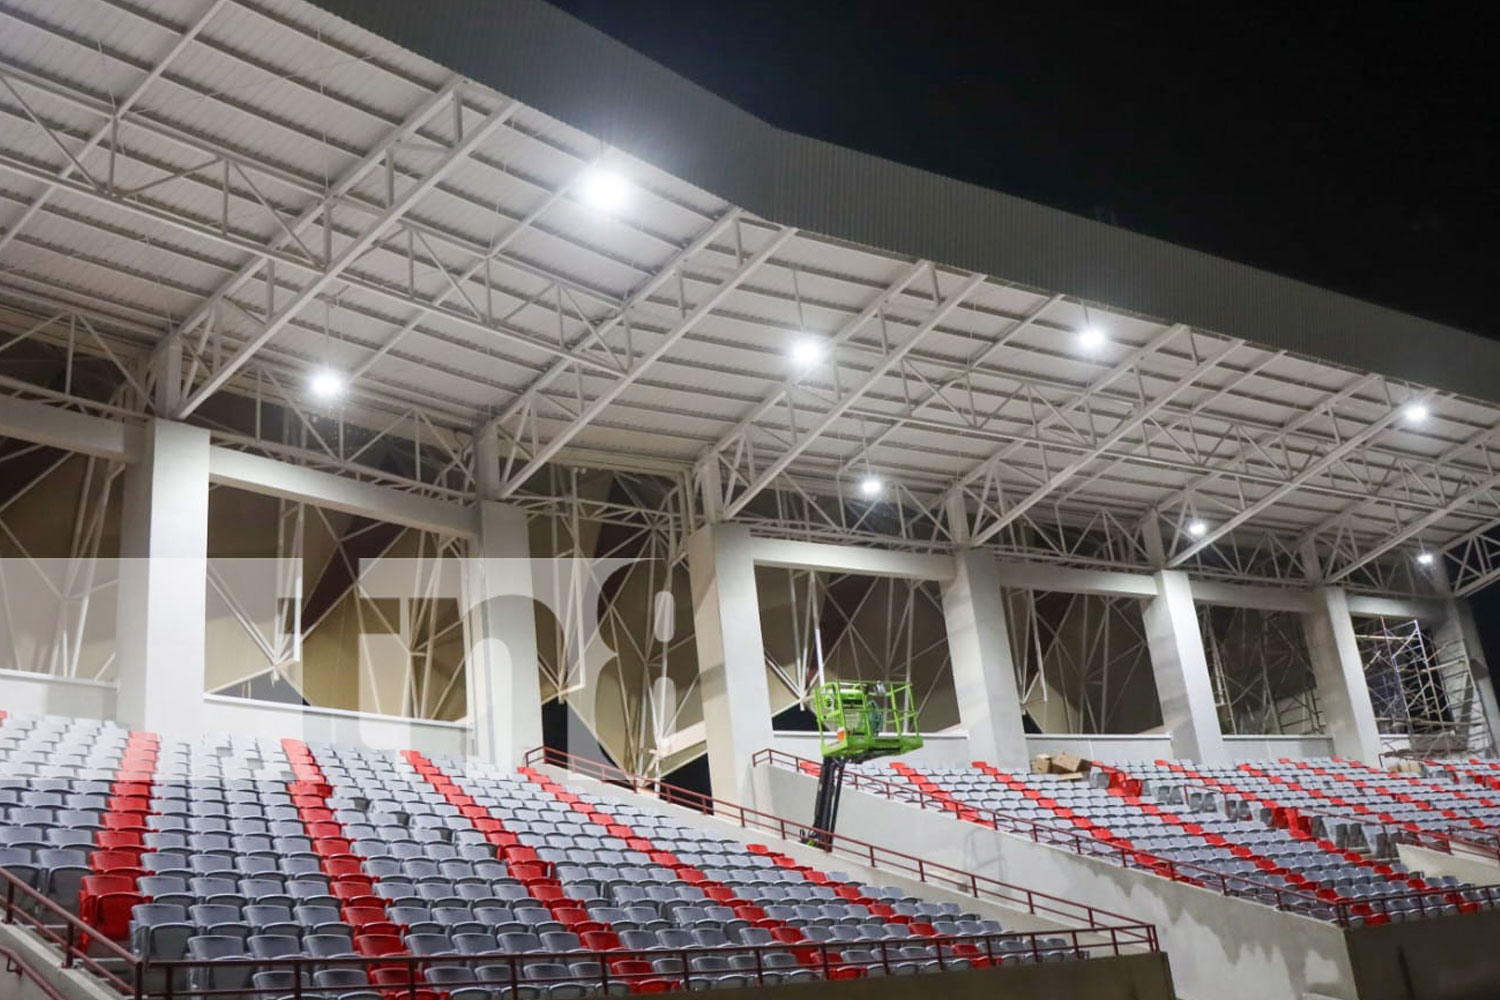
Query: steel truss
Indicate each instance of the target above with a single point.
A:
(1262, 674)
(1082, 662)
(820, 626)
(1423, 691)
(297, 252)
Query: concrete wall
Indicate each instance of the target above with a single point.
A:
(332, 725)
(1441, 958)
(21, 691)
(1275, 747)
(1220, 948)
(1464, 867)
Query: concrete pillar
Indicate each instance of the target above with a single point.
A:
(1343, 695)
(505, 698)
(731, 656)
(162, 605)
(1476, 699)
(984, 673)
(1178, 661)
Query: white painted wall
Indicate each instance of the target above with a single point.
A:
(21, 691)
(1220, 948)
(1132, 746)
(331, 725)
(1275, 747)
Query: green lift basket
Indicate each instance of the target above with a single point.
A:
(857, 720)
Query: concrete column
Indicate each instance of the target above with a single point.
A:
(505, 698)
(1474, 700)
(731, 656)
(1343, 695)
(162, 605)
(984, 673)
(1180, 665)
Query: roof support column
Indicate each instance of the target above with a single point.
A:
(984, 672)
(731, 656)
(505, 697)
(1188, 711)
(1343, 695)
(163, 586)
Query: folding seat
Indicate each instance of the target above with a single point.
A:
(323, 945)
(340, 979)
(412, 919)
(212, 865)
(456, 919)
(430, 944)
(20, 863)
(676, 938)
(560, 941)
(212, 949)
(519, 943)
(273, 946)
(267, 918)
(475, 943)
(455, 982)
(160, 931)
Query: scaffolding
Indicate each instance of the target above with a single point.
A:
(1423, 692)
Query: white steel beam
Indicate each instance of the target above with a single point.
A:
(197, 227)
(628, 378)
(1020, 326)
(1121, 429)
(1058, 414)
(1415, 528)
(1315, 468)
(781, 390)
(890, 360)
(268, 477)
(651, 286)
(1301, 420)
(455, 155)
(39, 423)
(127, 102)
(345, 183)
(853, 559)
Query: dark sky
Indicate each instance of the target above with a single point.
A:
(1349, 145)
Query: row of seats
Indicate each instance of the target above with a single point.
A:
(1193, 826)
(357, 874)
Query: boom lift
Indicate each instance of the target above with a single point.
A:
(857, 721)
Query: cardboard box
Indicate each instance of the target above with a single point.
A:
(1041, 764)
(1070, 763)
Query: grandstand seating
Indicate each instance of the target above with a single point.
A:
(284, 867)
(1317, 837)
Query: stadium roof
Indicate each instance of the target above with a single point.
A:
(618, 270)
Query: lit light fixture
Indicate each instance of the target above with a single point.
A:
(326, 384)
(1197, 529)
(1415, 413)
(1425, 558)
(605, 190)
(807, 352)
(870, 486)
(1091, 338)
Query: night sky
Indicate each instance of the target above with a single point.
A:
(1345, 145)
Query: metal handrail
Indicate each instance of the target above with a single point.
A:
(873, 855)
(825, 958)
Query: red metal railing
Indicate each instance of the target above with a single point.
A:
(872, 855)
(1344, 912)
(396, 975)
